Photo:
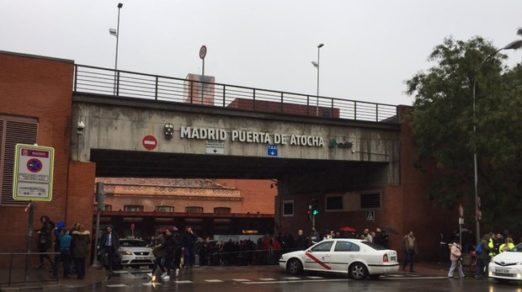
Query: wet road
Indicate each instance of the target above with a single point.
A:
(209, 279)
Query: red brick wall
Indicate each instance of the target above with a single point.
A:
(80, 194)
(258, 195)
(40, 88)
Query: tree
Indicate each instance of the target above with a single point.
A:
(442, 122)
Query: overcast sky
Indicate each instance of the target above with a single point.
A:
(371, 47)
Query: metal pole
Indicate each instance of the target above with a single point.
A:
(95, 262)
(202, 79)
(117, 44)
(30, 210)
(475, 167)
(317, 95)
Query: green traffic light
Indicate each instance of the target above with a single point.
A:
(315, 212)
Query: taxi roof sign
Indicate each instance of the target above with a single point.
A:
(33, 173)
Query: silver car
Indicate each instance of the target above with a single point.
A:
(135, 252)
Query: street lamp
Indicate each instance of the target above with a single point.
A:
(511, 46)
(116, 33)
(316, 65)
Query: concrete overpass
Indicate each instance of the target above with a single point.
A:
(198, 133)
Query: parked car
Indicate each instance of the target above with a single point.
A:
(507, 265)
(135, 252)
(357, 258)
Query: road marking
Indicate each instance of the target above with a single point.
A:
(153, 284)
(292, 278)
(120, 272)
(214, 281)
(416, 278)
(302, 281)
(183, 282)
(267, 279)
(116, 285)
(315, 277)
(241, 280)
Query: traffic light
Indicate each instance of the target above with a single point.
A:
(315, 207)
(309, 212)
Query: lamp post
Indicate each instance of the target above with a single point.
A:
(316, 65)
(116, 33)
(511, 46)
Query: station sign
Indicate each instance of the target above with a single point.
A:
(33, 173)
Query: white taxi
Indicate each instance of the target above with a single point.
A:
(357, 258)
(507, 265)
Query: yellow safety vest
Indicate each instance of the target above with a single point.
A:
(491, 247)
(503, 247)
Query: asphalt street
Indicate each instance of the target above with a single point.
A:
(209, 279)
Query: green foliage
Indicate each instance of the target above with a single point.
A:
(442, 122)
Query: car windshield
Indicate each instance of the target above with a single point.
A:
(374, 245)
(133, 243)
(517, 248)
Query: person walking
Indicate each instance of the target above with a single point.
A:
(65, 252)
(189, 242)
(45, 241)
(409, 246)
(80, 244)
(301, 243)
(482, 257)
(109, 245)
(456, 260)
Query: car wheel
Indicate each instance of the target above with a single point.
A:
(358, 271)
(294, 267)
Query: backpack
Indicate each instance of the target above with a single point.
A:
(478, 249)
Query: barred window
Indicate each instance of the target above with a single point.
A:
(166, 209)
(194, 209)
(222, 210)
(370, 201)
(13, 130)
(133, 208)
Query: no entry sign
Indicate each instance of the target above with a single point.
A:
(150, 142)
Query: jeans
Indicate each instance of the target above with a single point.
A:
(456, 264)
(409, 257)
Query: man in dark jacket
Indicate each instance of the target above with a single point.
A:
(80, 248)
(189, 242)
(109, 245)
(301, 243)
(45, 240)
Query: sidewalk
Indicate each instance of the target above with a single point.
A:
(41, 279)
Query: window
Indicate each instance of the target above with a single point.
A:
(370, 201)
(288, 208)
(222, 210)
(108, 207)
(13, 130)
(133, 208)
(194, 210)
(323, 246)
(166, 209)
(346, 246)
(334, 203)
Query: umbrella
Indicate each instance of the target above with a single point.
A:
(347, 229)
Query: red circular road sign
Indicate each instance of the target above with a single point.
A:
(203, 51)
(150, 142)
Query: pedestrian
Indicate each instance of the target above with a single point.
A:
(482, 257)
(159, 256)
(57, 234)
(367, 235)
(508, 245)
(189, 242)
(178, 251)
(80, 243)
(65, 252)
(169, 246)
(456, 260)
(109, 245)
(301, 243)
(45, 241)
(409, 246)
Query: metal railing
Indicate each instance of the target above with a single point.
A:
(17, 267)
(103, 81)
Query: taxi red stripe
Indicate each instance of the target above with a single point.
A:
(317, 261)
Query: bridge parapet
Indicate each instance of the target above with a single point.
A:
(103, 81)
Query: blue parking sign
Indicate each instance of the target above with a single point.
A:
(271, 150)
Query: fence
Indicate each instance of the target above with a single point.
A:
(19, 267)
(103, 81)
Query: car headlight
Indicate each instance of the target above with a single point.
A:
(125, 252)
